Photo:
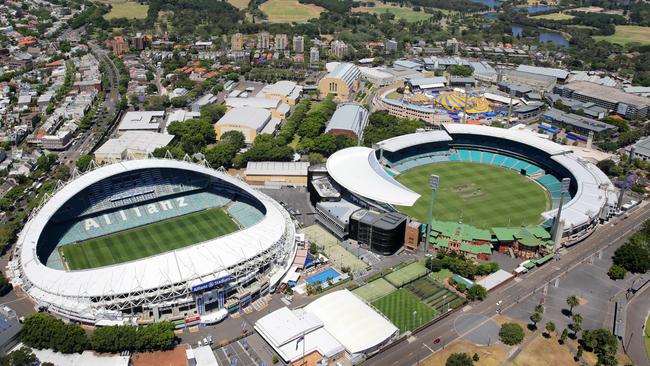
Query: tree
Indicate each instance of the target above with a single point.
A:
(576, 324)
(579, 352)
(633, 256)
(476, 357)
(477, 292)
(616, 272)
(5, 285)
(535, 318)
(20, 357)
(83, 162)
(44, 331)
(213, 112)
(234, 138)
(603, 343)
(511, 333)
(539, 308)
(572, 301)
(564, 336)
(460, 70)
(550, 328)
(156, 337)
(459, 359)
(114, 339)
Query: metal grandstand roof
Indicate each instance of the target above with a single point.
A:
(358, 171)
(194, 264)
(524, 137)
(413, 139)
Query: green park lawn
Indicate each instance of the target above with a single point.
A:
(554, 16)
(148, 240)
(405, 13)
(127, 9)
(288, 11)
(481, 195)
(627, 34)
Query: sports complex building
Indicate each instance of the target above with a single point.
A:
(152, 239)
(517, 167)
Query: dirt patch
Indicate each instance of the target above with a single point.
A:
(468, 191)
(544, 352)
(493, 355)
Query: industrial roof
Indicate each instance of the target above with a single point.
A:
(413, 139)
(141, 120)
(495, 279)
(607, 93)
(546, 71)
(190, 265)
(348, 116)
(353, 323)
(135, 140)
(298, 168)
(256, 102)
(422, 82)
(346, 72)
(357, 170)
(283, 87)
(578, 121)
(255, 118)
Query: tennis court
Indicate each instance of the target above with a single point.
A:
(407, 274)
(404, 310)
(374, 290)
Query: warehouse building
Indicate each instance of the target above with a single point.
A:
(630, 106)
(152, 121)
(277, 173)
(131, 144)
(558, 74)
(577, 123)
(285, 91)
(277, 108)
(250, 121)
(349, 119)
(342, 81)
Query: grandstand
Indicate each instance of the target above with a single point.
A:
(144, 234)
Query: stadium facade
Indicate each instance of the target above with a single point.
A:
(365, 176)
(227, 271)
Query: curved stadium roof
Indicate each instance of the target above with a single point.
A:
(195, 264)
(358, 171)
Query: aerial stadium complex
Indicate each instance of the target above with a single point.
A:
(151, 239)
(496, 185)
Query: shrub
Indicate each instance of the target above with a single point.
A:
(511, 333)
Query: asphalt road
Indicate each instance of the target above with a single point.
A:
(410, 353)
(637, 311)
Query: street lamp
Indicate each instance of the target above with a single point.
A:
(556, 231)
(434, 181)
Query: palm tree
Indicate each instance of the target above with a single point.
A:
(536, 318)
(572, 301)
(550, 328)
(576, 326)
(539, 308)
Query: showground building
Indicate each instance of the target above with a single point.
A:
(505, 182)
(153, 239)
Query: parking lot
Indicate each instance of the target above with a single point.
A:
(589, 282)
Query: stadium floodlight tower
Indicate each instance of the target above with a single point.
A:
(556, 231)
(434, 181)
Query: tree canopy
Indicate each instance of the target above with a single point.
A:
(511, 334)
(459, 359)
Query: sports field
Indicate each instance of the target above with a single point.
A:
(404, 310)
(406, 274)
(374, 290)
(148, 240)
(127, 9)
(404, 13)
(288, 11)
(554, 16)
(627, 34)
(481, 195)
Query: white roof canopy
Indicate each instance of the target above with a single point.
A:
(357, 170)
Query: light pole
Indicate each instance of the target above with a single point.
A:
(415, 312)
(556, 230)
(434, 181)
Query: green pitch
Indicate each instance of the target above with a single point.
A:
(148, 240)
(400, 306)
(483, 195)
(374, 290)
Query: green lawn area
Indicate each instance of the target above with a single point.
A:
(239, 4)
(407, 274)
(148, 240)
(287, 11)
(481, 195)
(127, 9)
(440, 276)
(627, 34)
(399, 308)
(554, 16)
(374, 290)
(405, 13)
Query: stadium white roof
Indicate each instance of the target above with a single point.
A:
(520, 136)
(357, 170)
(413, 139)
(183, 267)
(351, 321)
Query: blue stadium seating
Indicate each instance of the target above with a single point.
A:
(475, 156)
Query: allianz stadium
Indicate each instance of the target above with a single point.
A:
(368, 175)
(71, 257)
